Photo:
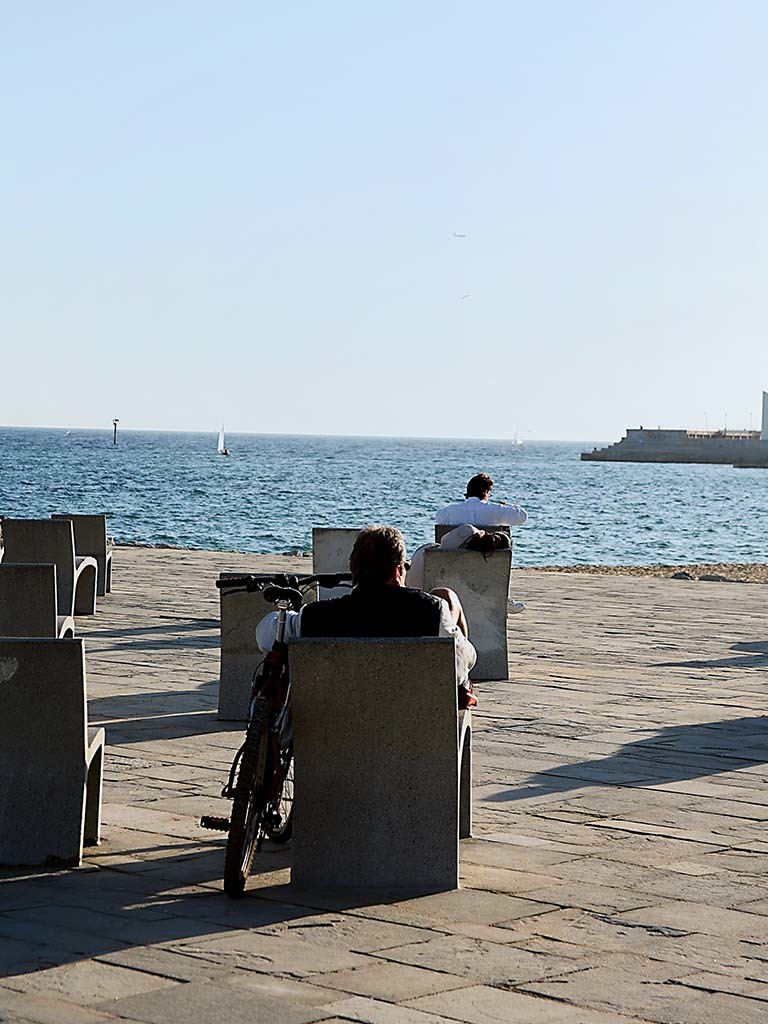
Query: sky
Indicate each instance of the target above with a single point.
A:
(420, 219)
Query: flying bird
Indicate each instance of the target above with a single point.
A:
(457, 235)
(465, 296)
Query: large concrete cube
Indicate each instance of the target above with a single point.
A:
(28, 602)
(240, 613)
(483, 588)
(331, 548)
(50, 761)
(378, 764)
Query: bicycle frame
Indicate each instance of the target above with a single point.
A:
(270, 702)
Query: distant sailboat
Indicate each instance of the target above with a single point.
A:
(222, 448)
(516, 441)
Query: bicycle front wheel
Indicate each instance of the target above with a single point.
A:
(248, 804)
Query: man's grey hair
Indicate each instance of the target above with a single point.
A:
(377, 551)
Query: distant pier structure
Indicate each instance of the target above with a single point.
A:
(741, 448)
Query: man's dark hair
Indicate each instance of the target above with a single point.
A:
(479, 485)
(376, 552)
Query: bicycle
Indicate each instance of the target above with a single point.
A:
(260, 782)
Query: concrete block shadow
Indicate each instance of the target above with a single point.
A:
(758, 651)
(670, 755)
(143, 911)
(159, 715)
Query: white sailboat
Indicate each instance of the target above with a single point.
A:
(516, 441)
(222, 448)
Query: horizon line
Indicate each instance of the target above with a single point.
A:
(255, 433)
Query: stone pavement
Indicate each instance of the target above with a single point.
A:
(619, 871)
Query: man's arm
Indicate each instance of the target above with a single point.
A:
(499, 514)
(466, 655)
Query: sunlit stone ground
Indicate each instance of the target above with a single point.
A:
(619, 870)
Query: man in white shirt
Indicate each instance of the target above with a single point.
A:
(478, 510)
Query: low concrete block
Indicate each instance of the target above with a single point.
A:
(50, 762)
(465, 774)
(86, 584)
(91, 540)
(378, 764)
(331, 548)
(28, 602)
(483, 588)
(49, 541)
(240, 613)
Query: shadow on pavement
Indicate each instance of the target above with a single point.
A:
(49, 918)
(679, 752)
(159, 714)
(153, 637)
(757, 651)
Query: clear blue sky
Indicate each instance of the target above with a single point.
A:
(246, 213)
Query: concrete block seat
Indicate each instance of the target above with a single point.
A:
(28, 602)
(240, 613)
(51, 541)
(331, 548)
(91, 540)
(50, 761)
(383, 763)
(483, 588)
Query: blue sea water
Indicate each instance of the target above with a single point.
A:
(173, 488)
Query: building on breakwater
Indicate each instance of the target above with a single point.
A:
(741, 448)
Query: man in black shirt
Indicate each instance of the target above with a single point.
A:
(381, 605)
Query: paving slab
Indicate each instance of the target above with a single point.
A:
(481, 1004)
(481, 961)
(204, 1001)
(371, 1011)
(359, 934)
(391, 981)
(87, 982)
(26, 1007)
(271, 954)
(466, 906)
(651, 996)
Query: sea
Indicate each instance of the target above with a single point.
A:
(173, 489)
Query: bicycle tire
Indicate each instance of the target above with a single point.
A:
(284, 831)
(248, 803)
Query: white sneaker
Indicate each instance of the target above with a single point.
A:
(515, 607)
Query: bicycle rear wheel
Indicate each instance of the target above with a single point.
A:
(280, 829)
(248, 804)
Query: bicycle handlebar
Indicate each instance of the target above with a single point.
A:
(263, 581)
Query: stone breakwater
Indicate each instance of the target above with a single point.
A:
(715, 572)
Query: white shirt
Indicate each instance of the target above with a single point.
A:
(481, 513)
(466, 655)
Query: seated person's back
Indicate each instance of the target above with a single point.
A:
(373, 609)
(478, 510)
(380, 605)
